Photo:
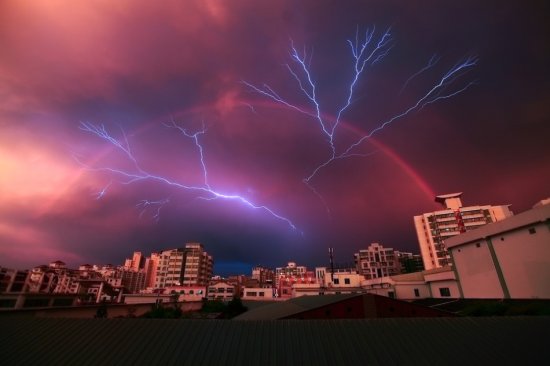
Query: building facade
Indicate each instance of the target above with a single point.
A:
(506, 259)
(434, 228)
(135, 263)
(433, 283)
(187, 266)
(264, 276)
(291, 269)
(287, 277)
(377, 261)
(198, 265)
(12, 280)
(221, 291)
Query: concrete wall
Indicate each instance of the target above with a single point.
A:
(452, 285)
(524, 258)
(405, 290)
(476, 271)
(442, 280)
(258, 291)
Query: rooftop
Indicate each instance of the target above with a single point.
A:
(442, 197)
(410, 341)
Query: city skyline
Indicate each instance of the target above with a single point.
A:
(172, 81)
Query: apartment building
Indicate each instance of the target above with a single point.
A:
(377, 261)
(433, 228)
(186, 266)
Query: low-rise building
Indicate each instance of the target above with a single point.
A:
(338, 280)
(505, 259)
(434, 283)
(258, 293)
(221, 290)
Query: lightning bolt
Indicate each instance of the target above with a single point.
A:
(155, 205)
(366, 51)
(433, 60)
(138, 173)
(99, 195)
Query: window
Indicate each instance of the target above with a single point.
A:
(262, 294)
(336, 281)
(251, 293)
(416, 292)
(391, 294)
(445, 292)
(346, 281)
(532, 230)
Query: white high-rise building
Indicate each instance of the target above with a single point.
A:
(434, 227)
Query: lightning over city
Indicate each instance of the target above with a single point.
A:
(244, 182)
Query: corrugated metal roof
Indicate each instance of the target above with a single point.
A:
(403, 341)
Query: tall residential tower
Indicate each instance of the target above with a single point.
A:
(434, 227)
(183, 266)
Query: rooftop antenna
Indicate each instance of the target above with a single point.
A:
(330, 252)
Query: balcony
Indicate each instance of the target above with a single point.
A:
(446, 219)
(448, 226)
(449, 233)
(473, 216)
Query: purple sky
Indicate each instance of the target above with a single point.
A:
(134, 66)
